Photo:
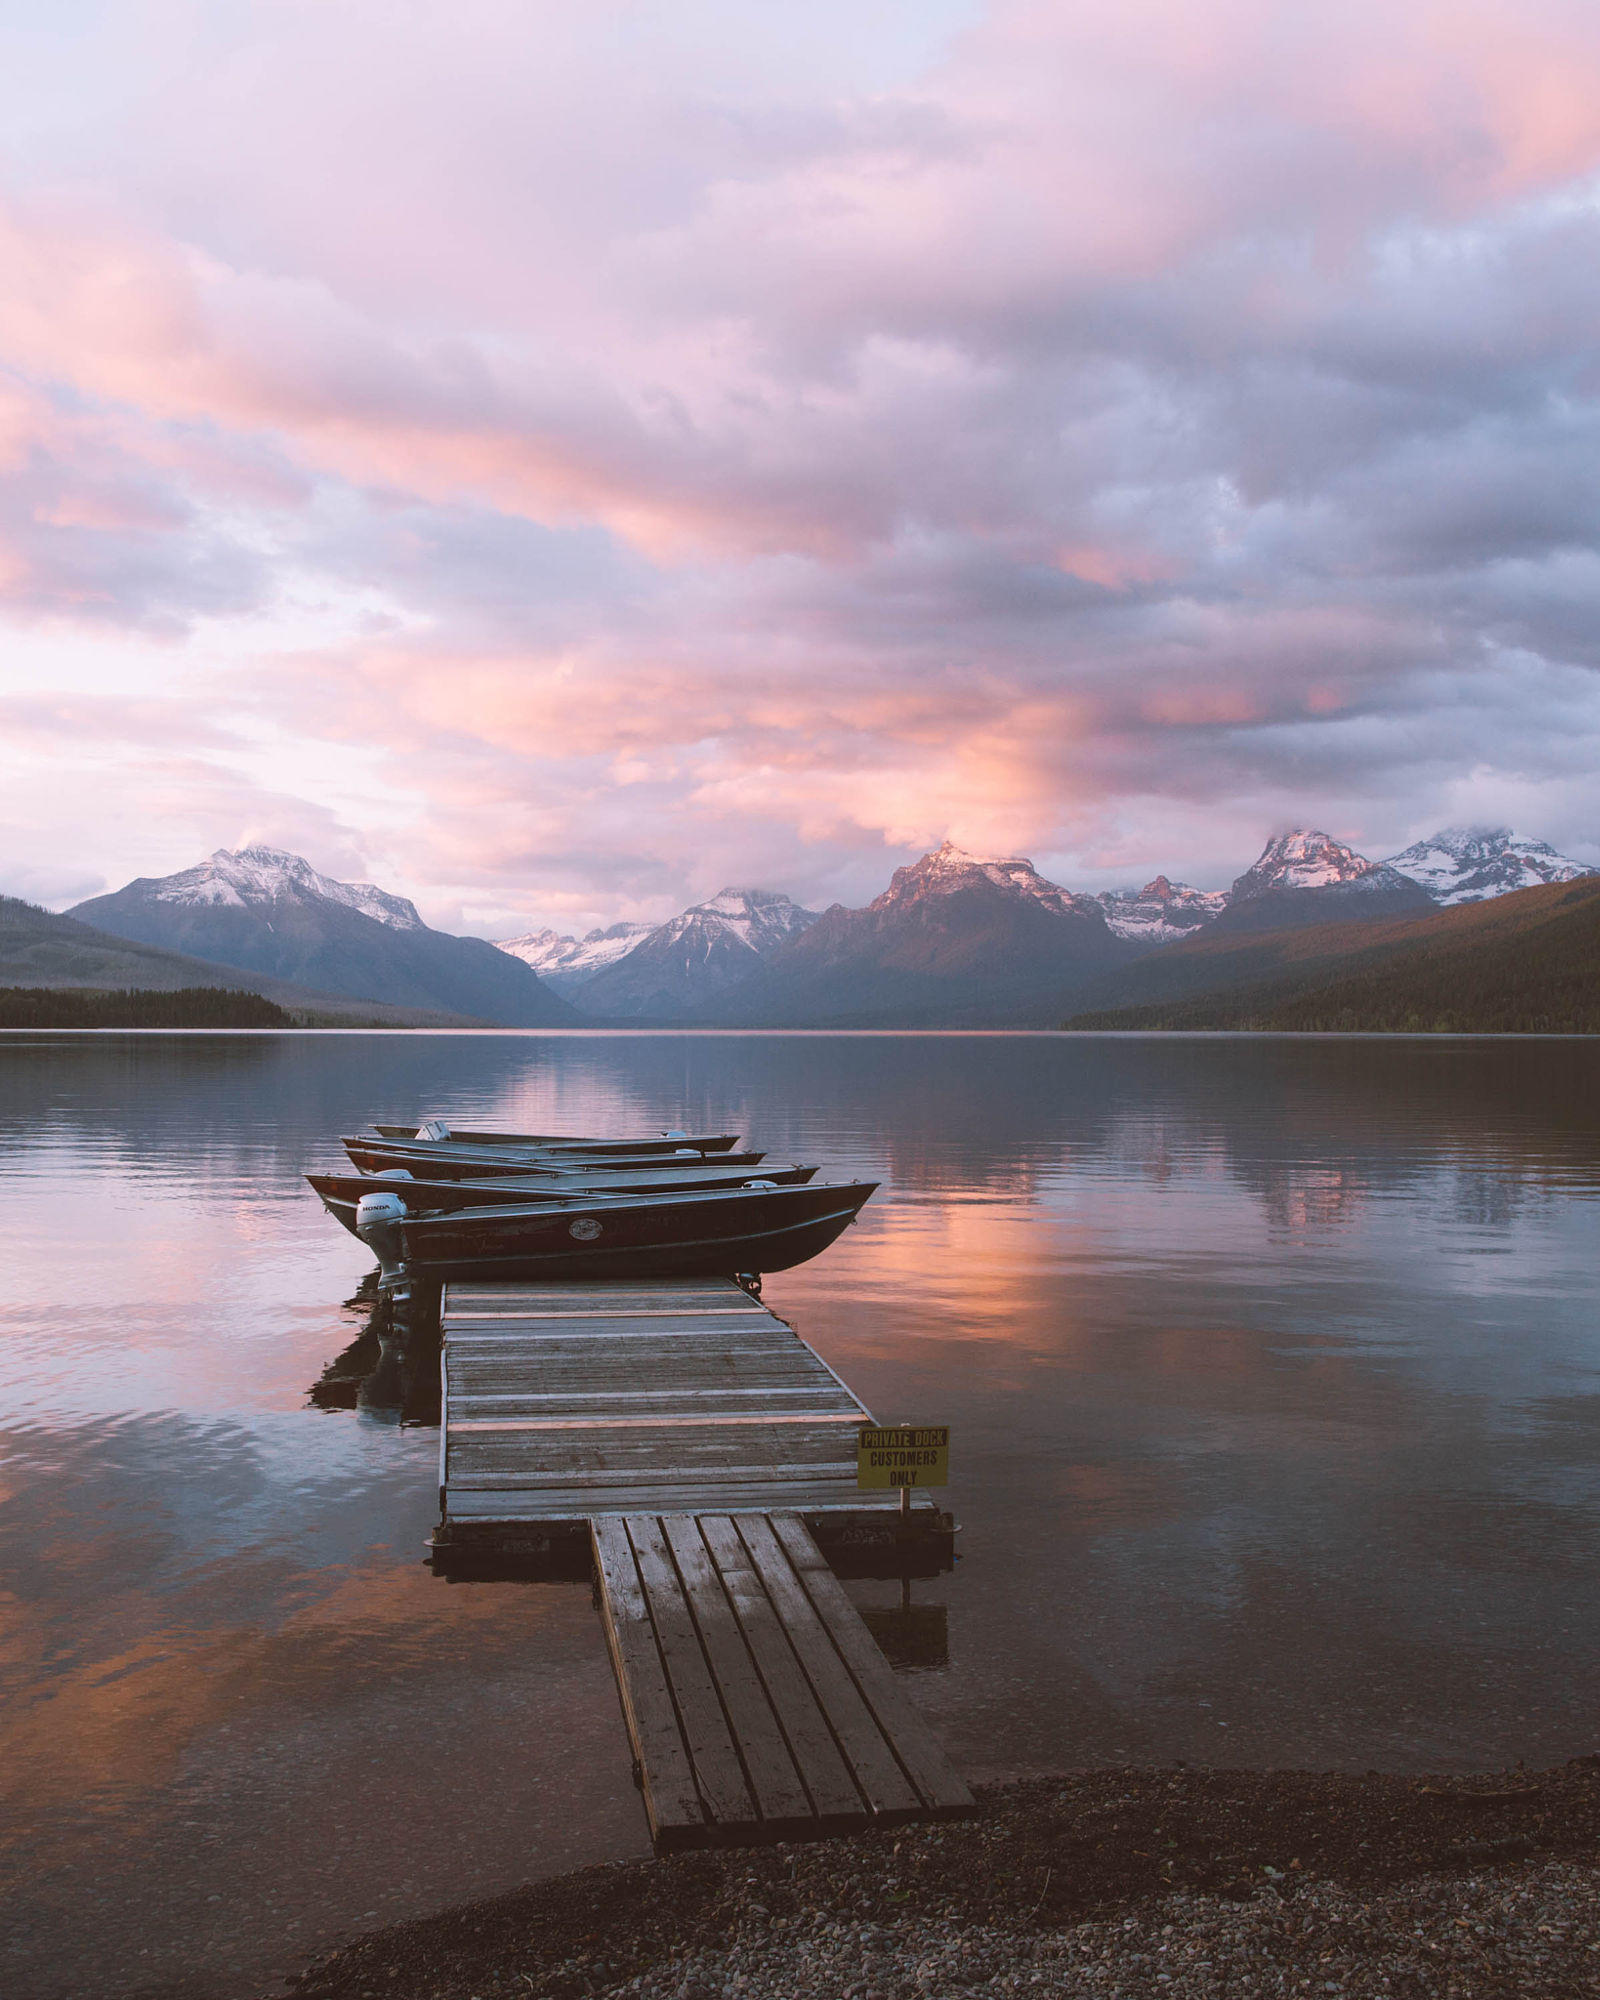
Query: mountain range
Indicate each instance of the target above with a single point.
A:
(956, 939)
(960, 939)
(274, 915)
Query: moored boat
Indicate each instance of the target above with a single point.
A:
(707, 1233)
(376, 1156)
(339, 1193)
(435, 1133)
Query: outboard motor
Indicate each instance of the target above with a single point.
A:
(378, 1219)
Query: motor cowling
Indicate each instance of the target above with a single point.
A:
(378, 1220)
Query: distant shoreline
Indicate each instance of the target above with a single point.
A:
(1141, 1034)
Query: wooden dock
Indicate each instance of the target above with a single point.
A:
(565, 1402)
(680, 1442)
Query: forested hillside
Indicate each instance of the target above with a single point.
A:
(1527, 963)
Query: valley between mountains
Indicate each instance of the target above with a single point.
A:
(1472, 928)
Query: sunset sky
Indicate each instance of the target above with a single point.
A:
(556, 460)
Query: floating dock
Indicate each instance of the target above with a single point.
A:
(680, 1443)
(562, 1403)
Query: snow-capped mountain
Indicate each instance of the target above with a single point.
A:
(274, 913)
(1307, 859)
(1162, 911)
(565, 963)
(954, 937)
(1471, 864)
(1307, 877)
(252, 876)
(682, 966)
(949, 869)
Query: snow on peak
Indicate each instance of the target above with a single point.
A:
(950, 868)
(569, 961)
(251, 876)
(1162, 910)
(1305, 858)
(757, 918)
(1471, 864)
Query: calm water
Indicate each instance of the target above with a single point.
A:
(1273, 1365)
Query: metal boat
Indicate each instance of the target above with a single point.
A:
(454, 1163)
(434, 1132)
(339, 1193)
(709, 1233)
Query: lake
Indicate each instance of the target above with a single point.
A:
(1273, 1367)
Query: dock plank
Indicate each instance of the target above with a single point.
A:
(666, 1776)
(837, 1803)
(914, 1743)
(718, 1771)
(763, 1750)
(889, 1793)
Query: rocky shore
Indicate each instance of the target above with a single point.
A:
(1113, 1884)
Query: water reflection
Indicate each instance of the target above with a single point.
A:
(1272, 1367)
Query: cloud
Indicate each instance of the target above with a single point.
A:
(1087, 432)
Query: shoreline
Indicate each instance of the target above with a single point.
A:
(1174, 1881)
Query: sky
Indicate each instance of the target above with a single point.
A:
(557, 461)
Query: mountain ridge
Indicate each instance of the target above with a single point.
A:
(690, 962)
(273, 915)
(955, 938)
(39, 948)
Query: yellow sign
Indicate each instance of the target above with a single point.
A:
(903, 1455)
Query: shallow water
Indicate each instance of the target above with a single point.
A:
(1273, 1367)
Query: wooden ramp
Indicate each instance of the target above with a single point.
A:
(565, 1402)
(758, 1705)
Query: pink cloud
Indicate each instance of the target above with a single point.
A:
(696, 455)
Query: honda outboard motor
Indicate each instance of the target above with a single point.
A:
(378, 1219)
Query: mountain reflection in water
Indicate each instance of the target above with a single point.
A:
(1272, 1368)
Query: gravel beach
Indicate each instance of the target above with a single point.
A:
(1113, 1884)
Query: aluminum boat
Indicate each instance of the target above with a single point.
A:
(710, 1233)
(339, 1193)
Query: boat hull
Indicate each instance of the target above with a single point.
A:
(715, 1235)
(374, 1155)
(339, 1193)
(695, 1142)
(460, 1135)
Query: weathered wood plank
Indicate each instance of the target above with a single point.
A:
(915, 1745)
(768, 1765)
(709, 1478)
(666, 1777)
(679, 1448)
(835, 1800)
(582, 1502)
(877, 1772)
(718, 1773)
